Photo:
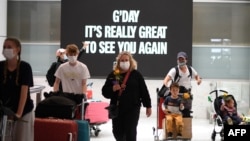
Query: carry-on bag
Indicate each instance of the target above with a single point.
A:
(57, 107)
(54, 129)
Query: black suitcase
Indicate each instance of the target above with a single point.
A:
(56, 106)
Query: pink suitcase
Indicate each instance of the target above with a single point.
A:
(51, 129)
(96, 113)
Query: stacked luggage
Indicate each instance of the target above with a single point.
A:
(68, 117)
(55, 118)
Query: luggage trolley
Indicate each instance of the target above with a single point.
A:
(6, 125)
(93, 111)
(160, 124)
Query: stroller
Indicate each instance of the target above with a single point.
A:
(218, 116)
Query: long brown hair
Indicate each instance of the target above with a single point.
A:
(18, 45)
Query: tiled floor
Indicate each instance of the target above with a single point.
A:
(201, 131)
(201, 128)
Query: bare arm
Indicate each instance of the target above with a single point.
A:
(56, 84)
(222, 107)
(167, 80)
(22, 100)
(84, 86)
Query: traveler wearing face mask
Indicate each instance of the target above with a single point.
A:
(72, 74)
(15, 80)
(184, 78)
(134, 94)
(61, 58)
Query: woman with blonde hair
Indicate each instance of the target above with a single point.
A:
(128, 97)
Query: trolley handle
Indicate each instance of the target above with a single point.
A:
(216, 92)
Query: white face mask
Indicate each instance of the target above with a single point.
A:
(8, 53)
(65, 57)
(181, 63)
(72, 59)
(125, 65)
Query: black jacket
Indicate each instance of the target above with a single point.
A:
(135, 93)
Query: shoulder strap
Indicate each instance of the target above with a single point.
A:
(190, 71)
(177, 75)
(124, 82)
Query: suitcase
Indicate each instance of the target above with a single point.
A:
(83, 130)
(52, 129)
(161, 114)
(96, 113)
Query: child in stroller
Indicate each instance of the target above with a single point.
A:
(229, 112)
(221, 105)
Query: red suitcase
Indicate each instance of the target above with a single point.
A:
(161, 114)
(51, 129)
(96, 113)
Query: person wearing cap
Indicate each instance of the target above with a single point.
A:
(184, 74)
(183, 78)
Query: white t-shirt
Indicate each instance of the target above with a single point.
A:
(71, 76)
(185, 80)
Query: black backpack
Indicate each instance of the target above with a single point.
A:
(177, 76)
(164, 91)
(50, 73)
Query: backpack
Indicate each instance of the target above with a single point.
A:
(177, 75)
(165, 91)
(50, 73)
(177, 78)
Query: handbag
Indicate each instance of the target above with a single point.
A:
(164, 91)
(113, 109)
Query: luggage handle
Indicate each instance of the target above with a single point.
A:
(72, 136)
